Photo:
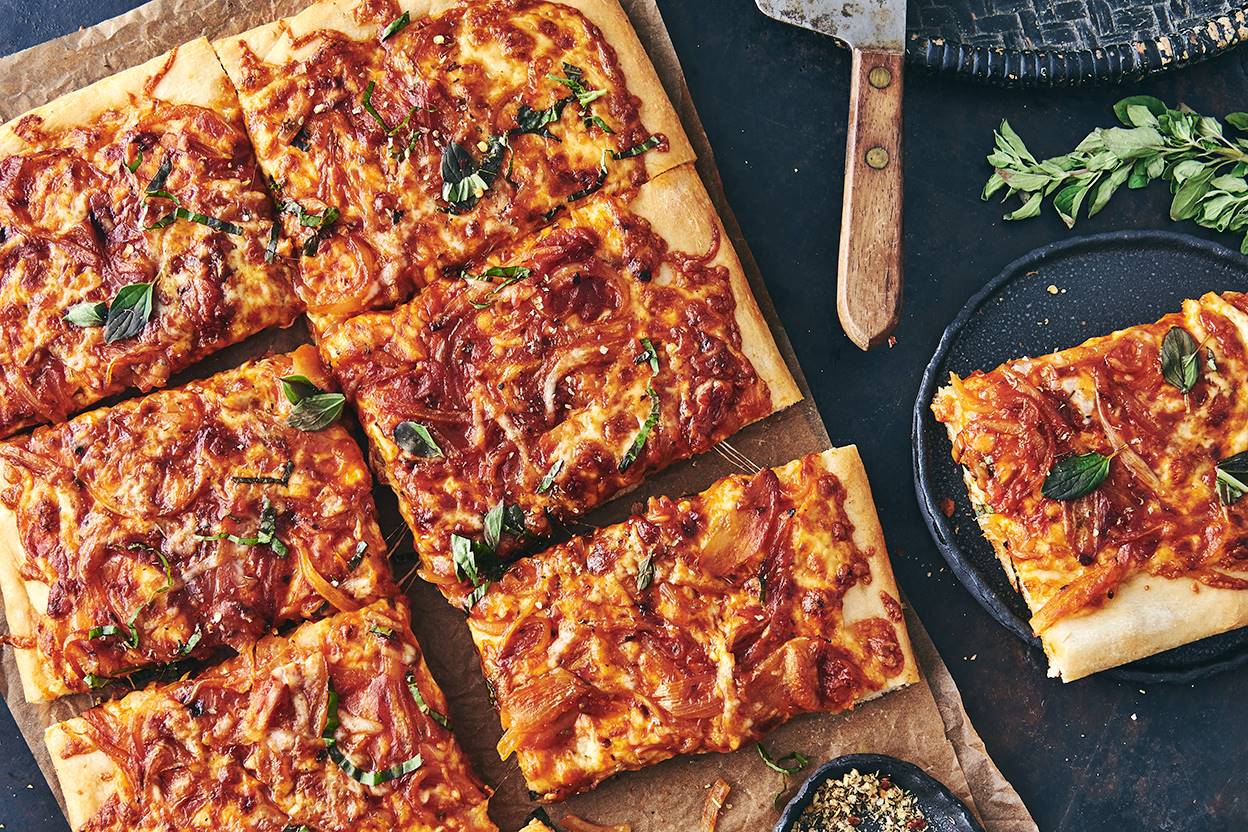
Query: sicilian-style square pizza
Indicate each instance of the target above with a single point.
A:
(337, 727)
(403, 139)
(557, 372)
(696, 625)
(135, 237)
(1110, 480)
(190, 519)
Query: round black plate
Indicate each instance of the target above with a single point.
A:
(943, 810)
(1068, 42)
(1106, 282)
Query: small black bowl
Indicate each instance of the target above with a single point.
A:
(942, 809)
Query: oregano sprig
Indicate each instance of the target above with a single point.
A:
(1204, 167)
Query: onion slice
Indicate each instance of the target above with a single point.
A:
(341, 600)
(714, 803)
(574, 824)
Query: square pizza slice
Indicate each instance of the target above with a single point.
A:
(1109, 480)
(557, 372)
(135, 235)
(403, 139)
(338, 726)
(697, 625)
(171, 525)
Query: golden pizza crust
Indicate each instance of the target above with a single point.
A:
(88, 778)
(191, 75)
(678, 206)
(1148, 614)
(20, 598)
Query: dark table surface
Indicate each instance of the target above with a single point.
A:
(1097, 754)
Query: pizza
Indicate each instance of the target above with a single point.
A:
(169, 526)
(1109, 480)
(337, 727)
(405, 138)
(557, 372)
(697, 625)
(134, 237)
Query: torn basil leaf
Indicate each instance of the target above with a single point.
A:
(464, 180)
(424, 706)
(326, 218)
(296, 388)
(1232, 478)
(638, 149)
(650, 354)
(1076, 476)
(549, 479)
(133, 165)
(1180, 359)
(494, 525)
(639, 442)
(129, 633)
(368, 778)
(645, 573)
(598, 183)
(799, 761)
(575, 81)
(180, 213)
(87, 314)
(282, 480)
(383, 632)
(416, 439)
(266, 532)
(191, 643)
(372, 111)
(395, 26)
(538, 122)
(129, 312)
(314, 409)
(510, 275)
(156, 187)
(465, 559)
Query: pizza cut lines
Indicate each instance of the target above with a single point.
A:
(168, 526)
(695, 626)
(134, 237)
(337, 727)
(557, 372)
(404, 139)
(1109, 480)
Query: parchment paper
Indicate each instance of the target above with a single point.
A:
(925, 723)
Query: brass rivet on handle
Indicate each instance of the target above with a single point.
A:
(879, 77)
(877, 157)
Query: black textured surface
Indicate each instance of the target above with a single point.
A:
(1098, 755)
(942, 810)
(1105, 282)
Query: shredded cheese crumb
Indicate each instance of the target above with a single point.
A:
(439, 39)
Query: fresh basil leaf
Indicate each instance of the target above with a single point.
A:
(372, 111)
(465, 559)
(1076, 476)
(322, 220)
(1232, 477)
(296, 388)
(424, 706)
(283, 479)
(87, 314)
(129, 312)
(639, 442)
(266, 532)
(645, 573)
(650, 354)
(511, 274)
(638, 149)
(156, 187)
(191, 643)
(368, 778)
(464, 180)
(598, 183)
(316, 412)
(128, 634)
(477, 594)
(549, 480)
(494, 525)
(133, 164)
(395, 26)
(416, 439)
(799, 761)
(95, 682)
(538, 122)
(1180, 359)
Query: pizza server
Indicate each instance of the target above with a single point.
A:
(868, 288)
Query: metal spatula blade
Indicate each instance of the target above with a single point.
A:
(863, 24)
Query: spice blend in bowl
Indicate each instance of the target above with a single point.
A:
(856, 802)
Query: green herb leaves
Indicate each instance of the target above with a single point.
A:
(1076, 476)
(372, 111)
(129, 312)
(1205, 169)
(395, 26)
(645, 573)
(314, 409)
(510, 275)
(638, 149)
(416, 439)
(549, 480)
(464, 180)
(648, 355)
(130, 633)
(156, 190)
(787, 765)
(1180, 359)
(283, 480)
(266, 532)
(322, 222)
(1232, 477)
(538, 122)
(368, 778)
(478, 562)
(424, 706)
(87, 314)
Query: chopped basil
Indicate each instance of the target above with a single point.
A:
(383, 632)
(638, 149)
(129, 312)
(1180, 359)
(477, 594)
(326, 218)
(639, 442)
(133, 165)
(191, 643)
(275, 234)
(424, 706)
(1076, 476)
(372, 111)
(302, 827)
(300, 140)
(598, 183)
(645, 573)
(87, 313)
(648, 353)
(462, 552)
(368, 778)
(494, 525)
(266, 532)
(464, 180)
(283, 480)
(416, 439)
(395, 26)
(549, 479)
(538, 122)
(575, 81)
(798, 762)
(130, 633)
(314, 409)
(361, 549)
(510, 275)
(180, 213)
(94, 682)
(156, 187)
(1232, 477)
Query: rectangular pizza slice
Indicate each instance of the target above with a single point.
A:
(695, 626)
(1109, 480)
(135, 237)
(168, 526)
(405, 138)
(557, 372)
(337, 727)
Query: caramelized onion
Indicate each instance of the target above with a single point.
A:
(1083, 593)
(574, 824)
(693, 697)
(341, 600)
(1134, 462)
(539, 708)
(736, 536)
(714, 803)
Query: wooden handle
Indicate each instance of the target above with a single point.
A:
(868, 290)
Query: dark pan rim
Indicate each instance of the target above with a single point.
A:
(939, 526)
(1108, 64)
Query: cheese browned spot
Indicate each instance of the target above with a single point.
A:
(1155, 530)
(91, 511)
(76, 227)
(536, 386)
(697, 625)
(473, 75)
(242, 745)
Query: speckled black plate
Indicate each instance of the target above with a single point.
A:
(1044, 43)
(1107, 282)
(942, 809)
